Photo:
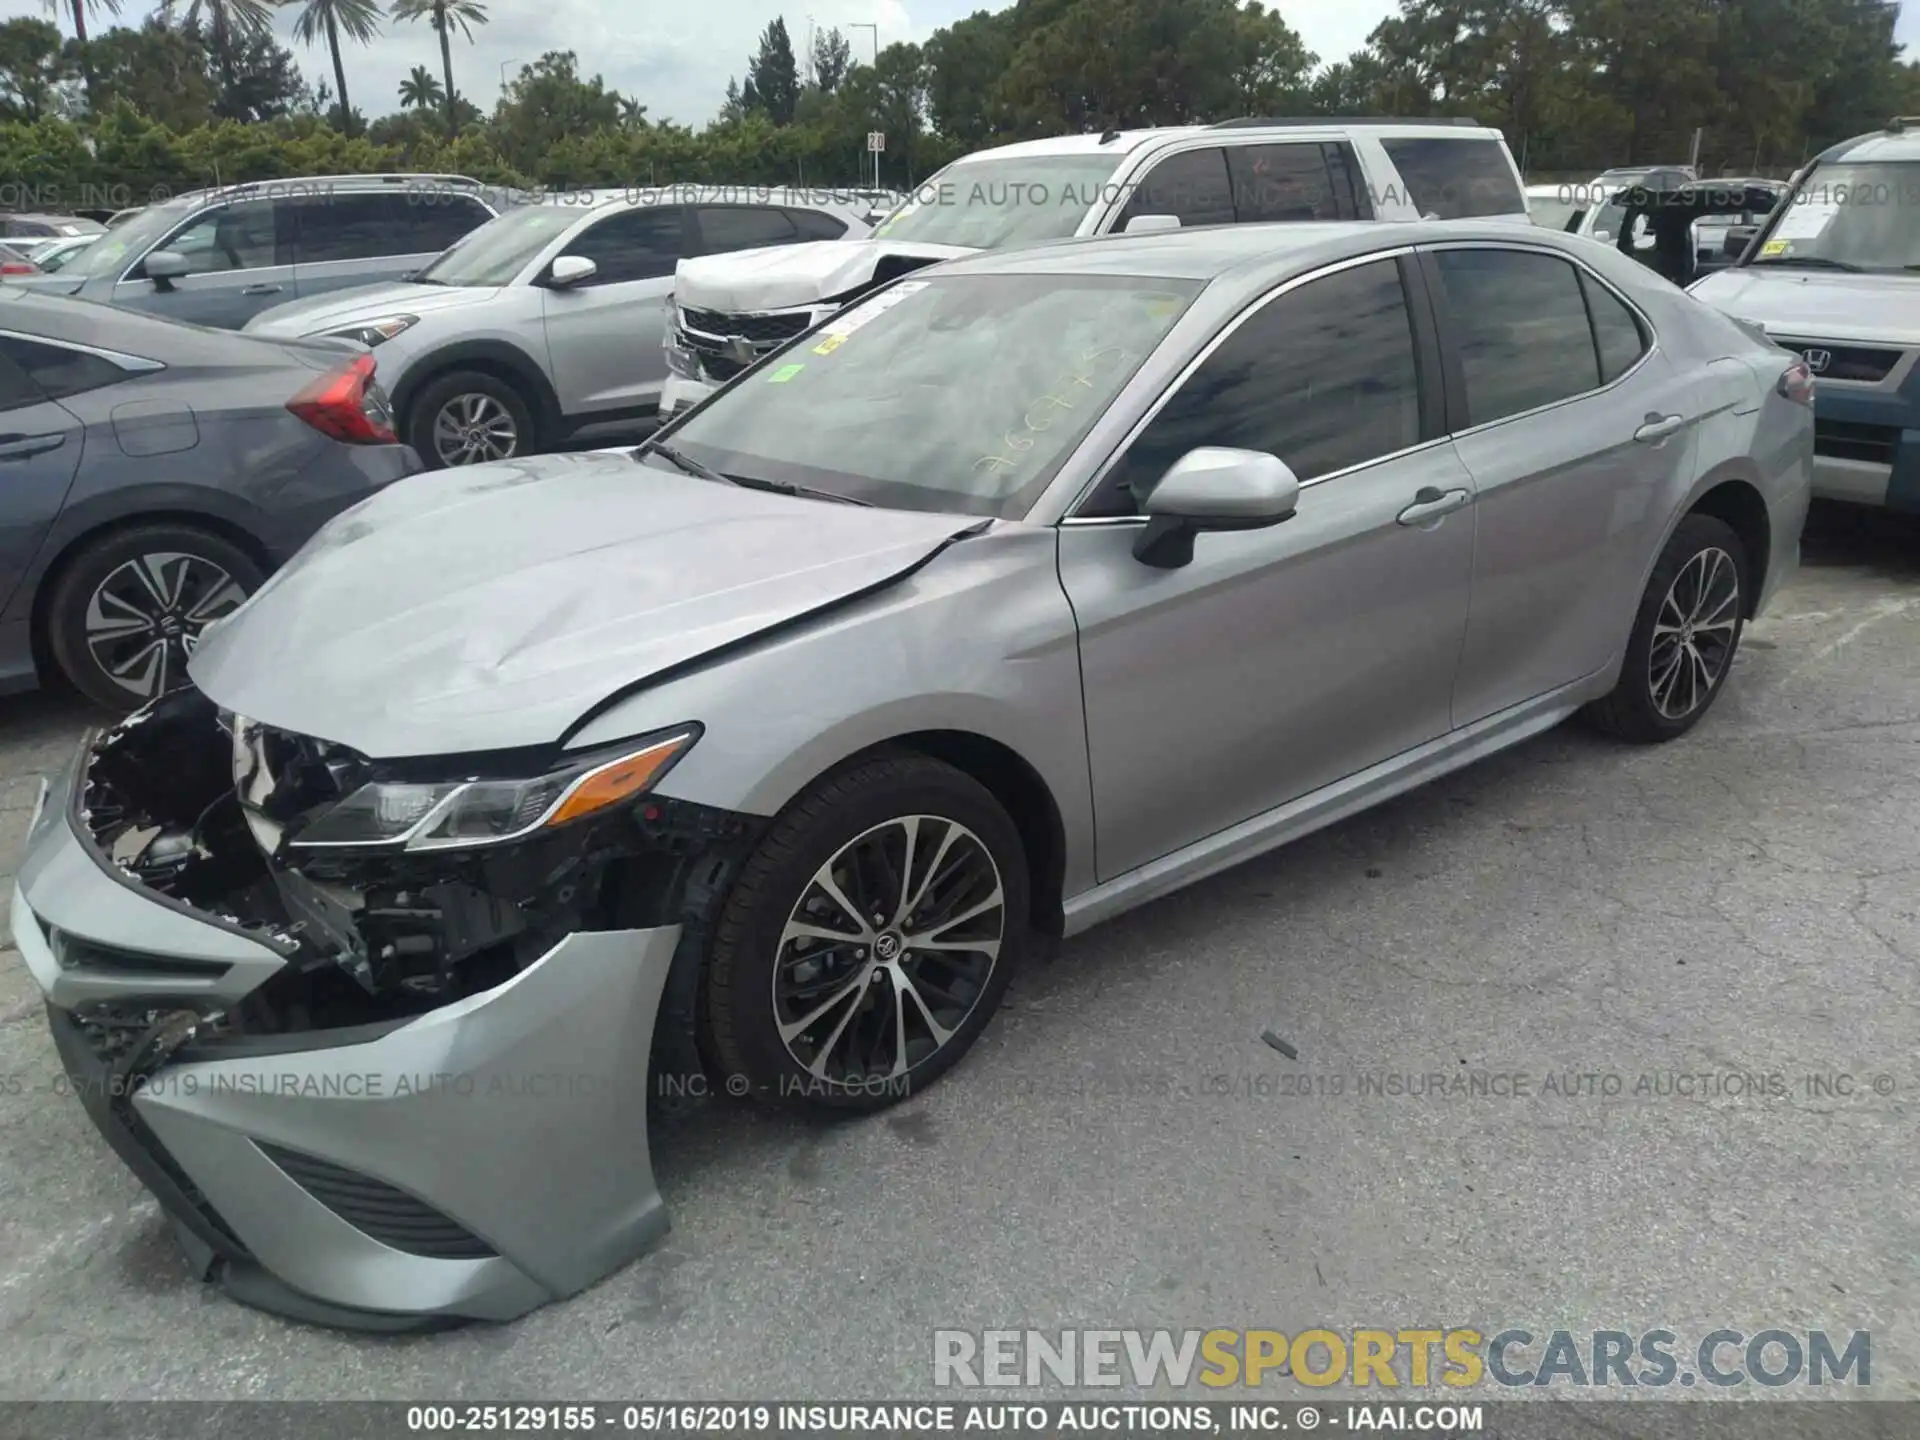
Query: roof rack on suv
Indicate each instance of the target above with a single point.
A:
(384, 177)
(1252, 122)
(1900, 122)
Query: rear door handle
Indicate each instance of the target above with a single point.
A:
(23, 447)
(1430, 503)
(261, 290)
(1658, 428)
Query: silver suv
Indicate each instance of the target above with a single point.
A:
(732, 310)
(547, 325)
(219, 257)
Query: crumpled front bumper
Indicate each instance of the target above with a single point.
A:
(474, 1162)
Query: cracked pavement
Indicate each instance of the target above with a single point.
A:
(1123, 1150)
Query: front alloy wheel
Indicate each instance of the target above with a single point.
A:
(888, 950)
(867, 939)
(474, 428)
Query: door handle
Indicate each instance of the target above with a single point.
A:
(1658, 428)
(261, 290)
(1430, 503)
(22, 447)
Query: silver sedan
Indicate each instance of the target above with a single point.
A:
(756, 760)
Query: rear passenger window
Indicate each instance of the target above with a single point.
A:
(434, 222)
(58, 371)
(1193, 186)
(348, 227)
(743, 227)
(1323, 377)
(1291, 182)
(814, 225)
(1520, 323)
(1617, 337)
(1456, 179)
(17, 390)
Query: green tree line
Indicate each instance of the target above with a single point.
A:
(202, 91)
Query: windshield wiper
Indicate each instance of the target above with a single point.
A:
(1812, 262)
(687, 465)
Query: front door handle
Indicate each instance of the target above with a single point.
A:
(1658, 428)
(1430, 503)
(261, 290)
(23, 447)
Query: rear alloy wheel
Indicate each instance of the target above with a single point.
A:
(469, 418)
(126, 614)
(1684, 637)
(869, 939)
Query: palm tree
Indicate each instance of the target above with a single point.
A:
(225, 22)
(420, 90)
(633, 115)
(78, 9)
(443, 15)
(359, 18)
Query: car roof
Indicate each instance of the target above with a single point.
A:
(821, 198)
(1258, 254)
(1879, 145)
(1239, 131)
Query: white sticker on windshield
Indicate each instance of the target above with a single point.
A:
(860, 314)
(1806, 219)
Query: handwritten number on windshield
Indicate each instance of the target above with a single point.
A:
(1020, 441)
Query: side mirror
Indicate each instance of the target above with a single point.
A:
(1151, 224)
(163, 267)
(1214, 489)
(571, 270)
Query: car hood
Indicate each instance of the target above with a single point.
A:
(54, 284)
(340, 308)
(1819, 304)
(491, 606)
(786, 276)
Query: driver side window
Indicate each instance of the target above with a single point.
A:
(1323, 377)
(244, 236)
(636, 244)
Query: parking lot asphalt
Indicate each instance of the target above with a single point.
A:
(1588, 920)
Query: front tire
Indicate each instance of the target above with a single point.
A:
(869, 938)
(1684, 637)
(468, 417)
(126, 612)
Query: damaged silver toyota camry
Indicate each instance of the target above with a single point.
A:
(1029, 589)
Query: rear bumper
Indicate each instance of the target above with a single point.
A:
(474, 1162)
(340, 476)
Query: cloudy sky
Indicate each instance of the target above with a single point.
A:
(677, 57)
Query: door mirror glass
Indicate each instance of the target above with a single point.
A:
(571, 270)
(1213, 488)
(165, 265)
(1151, 224)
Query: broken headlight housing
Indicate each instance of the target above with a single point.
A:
(458, 814)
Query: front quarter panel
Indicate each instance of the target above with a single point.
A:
(980, 640)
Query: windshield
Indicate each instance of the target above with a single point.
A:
(500, 249)
(1850, 217)
(125, 243)
(984, 204)
(959, 393)
(1553, 211)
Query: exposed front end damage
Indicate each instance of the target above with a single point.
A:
(375, 1085)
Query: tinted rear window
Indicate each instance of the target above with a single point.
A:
(1456, 179)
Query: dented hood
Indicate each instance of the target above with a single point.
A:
(489, 607)
(792, 275)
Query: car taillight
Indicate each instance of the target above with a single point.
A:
(348, 404)
(18, 267)
(1796, 383)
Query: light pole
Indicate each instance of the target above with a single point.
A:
(503, 75)
(867, 25)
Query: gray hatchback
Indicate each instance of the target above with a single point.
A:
(220, 257)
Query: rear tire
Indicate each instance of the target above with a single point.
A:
(1684, 637)
(126, 612)
(796, 1015)
(468, 417)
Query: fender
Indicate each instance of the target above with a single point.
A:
(496, 353)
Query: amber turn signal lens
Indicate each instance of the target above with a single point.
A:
(617, 780)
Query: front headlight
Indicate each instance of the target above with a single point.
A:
(374, 332)
(453, 814)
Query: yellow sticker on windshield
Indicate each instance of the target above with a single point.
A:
(784, 374)
(830, 344)
(1161, 306)
(1775, 247)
